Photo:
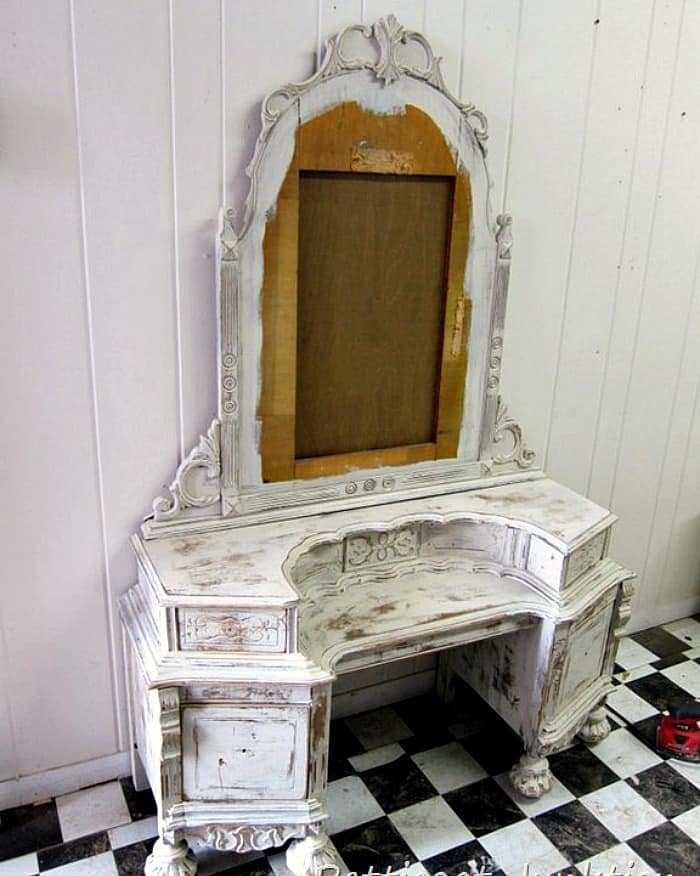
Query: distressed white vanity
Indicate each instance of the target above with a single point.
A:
(285, 552)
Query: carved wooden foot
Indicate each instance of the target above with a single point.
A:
(168, 859)
(531, 776)
(312, 856)
(596, 728)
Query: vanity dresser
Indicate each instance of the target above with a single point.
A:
(362, 495)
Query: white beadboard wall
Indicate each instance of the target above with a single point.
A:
(126, 125)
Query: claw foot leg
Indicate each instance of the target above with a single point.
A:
(597, 726)
(531, 776)
(170, 859)
(312, 856)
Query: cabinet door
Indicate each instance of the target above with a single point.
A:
(248, 753)
(586, 647)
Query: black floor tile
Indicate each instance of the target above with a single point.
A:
(470, 858)
(27, 829)
(666, 790)
(660, 642)
(579, 770)
(259, 867)
(665, 662)
(375, 844)
(496, 750)
(130, 860)
(141, 804)
(75, 850)
(575, 832)
(668, 850)
(645, 731)
(657, 690)
(483, 806)
(342, 740)
(398, 784)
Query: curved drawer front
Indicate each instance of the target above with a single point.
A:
(248, 753)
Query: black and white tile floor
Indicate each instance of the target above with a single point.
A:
(420, 787)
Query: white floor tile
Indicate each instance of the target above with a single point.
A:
(520, 844)
(91, 810)
(692, 653)
(624, 754)
(99, 865)
(26, 865)
(430, 827)
(691, 771)
(379, 727)
(350, 803)
(631, 654)
(622, 810)
(449, 767)
(689, 822)
(278, 862)
(630, 705)
(635, 673)
(685, 675)
(619, 859)
(687, 629)
(376, 757)
(557, 796)
(127, 834)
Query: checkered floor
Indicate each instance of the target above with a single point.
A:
(423, 787)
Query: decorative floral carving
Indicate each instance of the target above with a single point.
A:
(504, 235)
(381, 547)
(387, 38)
(506, 426)
(182, 492)
(238, 628)
(245, 837)
(624, 607)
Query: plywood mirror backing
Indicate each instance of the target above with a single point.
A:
(364, 316)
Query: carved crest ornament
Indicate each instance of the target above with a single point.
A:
(208, 486)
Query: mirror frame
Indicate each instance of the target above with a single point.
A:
(383, 68)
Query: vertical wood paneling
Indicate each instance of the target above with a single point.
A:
(489, 56)
(122, 64)
(197, 183)
(411, 13)
(548, 127)
(443, 27)
(263, 51)
(654, 439)
(337, 14)
(56, 639)
(107, 357)
(635, 251)
(622, 38)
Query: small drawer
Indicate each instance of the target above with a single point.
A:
(246, 753)
(236, 630)
(583, 558)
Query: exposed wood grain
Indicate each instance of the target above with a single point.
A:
(378, 284)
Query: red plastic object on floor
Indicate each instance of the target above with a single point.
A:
(678, 733)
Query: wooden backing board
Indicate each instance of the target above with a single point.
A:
(364, 316)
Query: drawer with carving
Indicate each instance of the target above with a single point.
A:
(244, 753)
(232, 630)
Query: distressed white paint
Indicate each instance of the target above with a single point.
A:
(89, 464)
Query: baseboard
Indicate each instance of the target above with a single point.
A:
(63, 780)
(373, 696)
(653, 615)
